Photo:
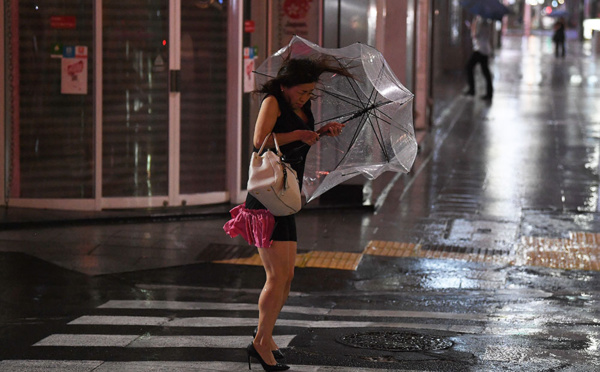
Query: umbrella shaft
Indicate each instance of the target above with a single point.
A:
(362, 112)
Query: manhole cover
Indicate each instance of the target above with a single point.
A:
(395, 341)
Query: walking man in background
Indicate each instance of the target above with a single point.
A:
(481, 32)
(559, 38)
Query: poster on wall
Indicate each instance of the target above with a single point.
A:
(249, 66)
(295, 17)
(74, 70)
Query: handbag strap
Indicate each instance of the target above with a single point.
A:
(262, 147)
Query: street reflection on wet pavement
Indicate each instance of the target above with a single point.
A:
(484, 258)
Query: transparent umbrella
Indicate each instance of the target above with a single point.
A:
(375, 107)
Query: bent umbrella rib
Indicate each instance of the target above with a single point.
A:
(355, 114)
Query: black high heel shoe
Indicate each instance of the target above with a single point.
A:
(277, 354)
(252, 353)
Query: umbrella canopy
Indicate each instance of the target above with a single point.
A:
(490, 9)
(558, 14)
(375, 107)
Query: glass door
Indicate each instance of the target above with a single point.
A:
(135, 100)
(164, 103)
(203, 130)
(116, 104)
(49, 131)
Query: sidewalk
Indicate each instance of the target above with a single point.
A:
(23, 218)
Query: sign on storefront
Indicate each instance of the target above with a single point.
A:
(74, 70)
(249, 66)
(295, 17)
(249, 26)
(63, 22)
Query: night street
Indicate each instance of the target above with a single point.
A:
(486, 257)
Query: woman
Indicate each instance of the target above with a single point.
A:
(286, 111)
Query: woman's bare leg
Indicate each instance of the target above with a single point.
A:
(288, 285)
(291, 264)
(276, 263)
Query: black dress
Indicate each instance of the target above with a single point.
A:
(295, 154)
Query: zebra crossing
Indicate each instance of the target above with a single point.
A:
(140, 335)
(99, 366)
(171, 335)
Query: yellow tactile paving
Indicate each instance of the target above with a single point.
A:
(391, 249)
(254, 261)
(333, 260)
(328, 260)
(580, 251)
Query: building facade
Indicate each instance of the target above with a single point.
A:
(147, 103)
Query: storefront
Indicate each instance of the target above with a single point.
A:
(122, 104)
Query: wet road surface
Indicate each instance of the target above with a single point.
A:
(484, 258)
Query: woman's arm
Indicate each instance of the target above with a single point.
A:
(267, 116)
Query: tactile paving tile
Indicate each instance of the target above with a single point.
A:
(320, 259)
(254, 260)
(391, 249)
(581, 251)
(398, 249)
(333, 260)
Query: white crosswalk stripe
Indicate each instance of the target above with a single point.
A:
(162, 326)
(223, 342)
(99, 366)
(209, 322)
(177, 305)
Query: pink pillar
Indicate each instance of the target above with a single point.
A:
(15, 177)
(527, 20)
(504, 20)
(422, 65)
(391, 31)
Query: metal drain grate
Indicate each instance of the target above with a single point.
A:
(464, 250)
(395, 341)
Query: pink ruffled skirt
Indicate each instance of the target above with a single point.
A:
(254, 225)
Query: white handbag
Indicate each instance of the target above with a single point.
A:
(273, 182)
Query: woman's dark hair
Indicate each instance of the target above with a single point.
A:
(296, 71)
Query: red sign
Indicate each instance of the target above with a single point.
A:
(75, 68)
(81, 52)
(249, 26)
(296, 9)
(63, 22)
